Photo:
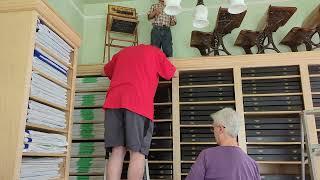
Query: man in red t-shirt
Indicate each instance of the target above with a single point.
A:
(134, 73)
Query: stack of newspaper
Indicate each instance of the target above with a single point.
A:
(89, 99)
(45, 115)
(88, 149)
(88, 115)
(87, 165)
(41, 168)
(92, 83)
(86, 178)
(45, 89)
(49, 39)
(40, 142)
(88, 131)
(48, 65)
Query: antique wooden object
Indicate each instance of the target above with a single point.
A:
(304, 35)
(121, 27)
(208, 42)
(275, 18)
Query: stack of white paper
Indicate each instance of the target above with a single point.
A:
(87, 165)
(49, 39)
(88, 131)
(89, 99)
(92, 83)
(88, 149)
(45, 89)
(48, 65)
(88, 115)
(40, 168)
(86, 178)
(45, 115)
(40, 142)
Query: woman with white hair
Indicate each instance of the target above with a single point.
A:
(226, 161)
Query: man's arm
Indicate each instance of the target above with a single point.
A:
(102, 72)
(153, 13)
(176, 74)
(108, 68)
(165, 68)
(173, 20)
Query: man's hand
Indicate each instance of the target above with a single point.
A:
(102, 72)
(176, 74)
(155, 13)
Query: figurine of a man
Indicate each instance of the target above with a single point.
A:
(161, 33)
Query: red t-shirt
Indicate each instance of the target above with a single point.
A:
(134, 73)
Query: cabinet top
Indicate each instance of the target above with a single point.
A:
(223, 62)
(243, 61)
(45, 13)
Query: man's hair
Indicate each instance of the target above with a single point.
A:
(228, 118)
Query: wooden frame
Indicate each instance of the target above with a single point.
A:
(122, 11)
(19, 18)
(109, 40)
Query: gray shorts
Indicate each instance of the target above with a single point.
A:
(126, 128)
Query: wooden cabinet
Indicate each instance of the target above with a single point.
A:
(38, 55)
(268, 90)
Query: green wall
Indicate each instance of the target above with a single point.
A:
(67, 10)
(93, 28)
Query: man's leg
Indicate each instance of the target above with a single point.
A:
(115, 163)
(114, 141)
(156, 37)
(139, 131)
(167, 42)
(136, 166)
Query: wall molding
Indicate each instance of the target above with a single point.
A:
(77, 8)
(101, 16)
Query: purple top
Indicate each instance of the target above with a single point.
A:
(224, 163)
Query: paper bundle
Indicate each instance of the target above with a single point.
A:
(88, 115)
(92, 83)
(88, 131)
(89, 99)
(41, 168)
(40, 142)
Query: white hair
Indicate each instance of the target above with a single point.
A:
(228, 118)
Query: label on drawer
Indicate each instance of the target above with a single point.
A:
(87, 114)
(86, 148)
(88, 100)
(90, 80)
(86, 131)
(84, 165)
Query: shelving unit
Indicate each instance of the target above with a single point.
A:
(38, 67)
(200, 94)
(269, 134)
(273, 135)
(89, 90)
(88, 151)
(161, 146)
(268, 90)
(314, 71)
